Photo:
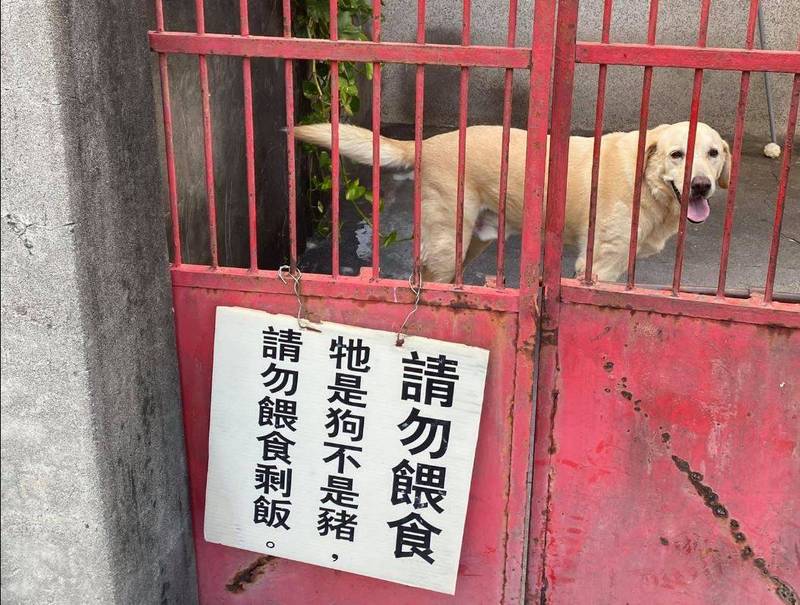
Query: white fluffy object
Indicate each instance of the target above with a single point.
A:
(771, 150)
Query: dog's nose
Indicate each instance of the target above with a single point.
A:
(701, 186)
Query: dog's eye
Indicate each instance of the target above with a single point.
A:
(676, 155)
(712, 153)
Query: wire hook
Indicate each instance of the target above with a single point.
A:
(417, 290)
(296, 278)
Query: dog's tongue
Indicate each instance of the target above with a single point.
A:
(698, 209)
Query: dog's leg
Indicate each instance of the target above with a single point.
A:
(580, 262)
(611, 252)
(580, 266)
(611, 264)
(610, 255)
(645, 250)
(429, 276)
(438, 234)
(484, 233)
(438, 238)
(476, 248)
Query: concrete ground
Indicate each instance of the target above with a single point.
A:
(755, 210)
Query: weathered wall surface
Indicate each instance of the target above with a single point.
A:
(227, 120)
(671, 94)
(94, 492)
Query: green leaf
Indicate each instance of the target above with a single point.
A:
(312, 20)
(324, 159)
(354, 190)
(309, 90)
(388, 240)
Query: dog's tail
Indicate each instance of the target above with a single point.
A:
(356, 144)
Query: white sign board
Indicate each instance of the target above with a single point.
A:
(336, 447)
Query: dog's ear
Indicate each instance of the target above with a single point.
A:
(725, 173)
(649, 154)
(651, 146)
(652, 142)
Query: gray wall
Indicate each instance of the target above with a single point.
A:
(94, 498)
(671, 94)
(227, 117)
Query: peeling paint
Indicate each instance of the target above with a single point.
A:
(243, 578)
(782, 590)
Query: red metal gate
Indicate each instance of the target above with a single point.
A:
(493, 316)
(666, 457)
(614, 517)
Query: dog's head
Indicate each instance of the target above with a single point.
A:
(666, 160)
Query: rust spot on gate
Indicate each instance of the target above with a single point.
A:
(711, 499)
(552, 449)
(248, 575)
(549, 337)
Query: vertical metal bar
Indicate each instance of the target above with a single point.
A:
(767, 88)
(288, 75)
(687, 172)
(783, 185)
(548, 380)
(463, 96)
(598, 137)
(334, 67)
(736, 154)
(644, 110)
(376, 146)
(559, 152)
(508, 89)
(205, 94)
(419, 96)
(172, 185)
(247, 83)
(536, 149)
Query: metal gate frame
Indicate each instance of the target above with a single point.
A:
(491, 316)
(607, 312)
(503, 319)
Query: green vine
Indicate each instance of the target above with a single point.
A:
(312, 20)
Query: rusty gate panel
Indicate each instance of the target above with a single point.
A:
(667, 433)
(672, 451)
(491, 316)
(491, 535)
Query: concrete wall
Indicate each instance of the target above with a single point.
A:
(671, 93)
(94, 498)
(227, 118)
